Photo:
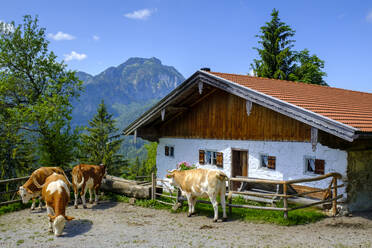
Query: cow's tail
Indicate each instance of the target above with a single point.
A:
(36, 182)
(78, 185)
(70, 184)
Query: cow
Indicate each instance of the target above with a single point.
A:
(32, 188)
(201, 183)
(86, 176)
(56, 194)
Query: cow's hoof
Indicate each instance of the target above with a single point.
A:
(224, 219)
(189, 215)
(76, 206)
(96, 202)
(84, 206)
(215, 220)
(90, 202)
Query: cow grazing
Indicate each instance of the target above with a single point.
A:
(56, 194)
(201, 183)
(86, 177)
(32, 187)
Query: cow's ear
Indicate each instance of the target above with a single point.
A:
(69, 218)
(170, 175)
(29, 191)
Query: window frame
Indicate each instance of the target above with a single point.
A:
(170, 151)
(266, 167)
(213, 158)
(306, 171)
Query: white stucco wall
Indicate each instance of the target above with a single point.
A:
(290, 157)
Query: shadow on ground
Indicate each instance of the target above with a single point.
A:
(104, 205)
(364, 214)
(77, 227)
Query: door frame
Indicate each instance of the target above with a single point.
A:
(232, 159)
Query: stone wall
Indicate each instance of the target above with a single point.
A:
(359, 174)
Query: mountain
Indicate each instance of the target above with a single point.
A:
(131, 87)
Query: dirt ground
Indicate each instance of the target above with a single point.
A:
(112, 224)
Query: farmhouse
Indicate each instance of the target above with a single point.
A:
(265, 128)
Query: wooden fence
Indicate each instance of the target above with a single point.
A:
(11, 189)
(330, 193)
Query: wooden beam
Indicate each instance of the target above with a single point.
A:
(176, 109)
(248, 106)
(314, 138)
(162, 113)
(200, 87)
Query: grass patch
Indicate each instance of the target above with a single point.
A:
(21, 241)
(14, 207)
(296, 217)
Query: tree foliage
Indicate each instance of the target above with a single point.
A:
(278, 59)
(99, 146)
(35, 92)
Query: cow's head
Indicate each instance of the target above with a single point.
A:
(58, 223)
(170, 177)
(25, 194)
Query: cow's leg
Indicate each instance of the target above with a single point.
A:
(33, 203)
(189, 201)
(40, 203)
(96, 195)
(82, 194)
(193, 202)
(75, 194)
(51, 212)
(90, 195)
(214, 202)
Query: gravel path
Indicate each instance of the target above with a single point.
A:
(112, 224)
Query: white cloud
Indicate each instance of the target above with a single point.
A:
(75, 56)
(369, 16)
(141, 14)
(6, 27)
(96, 37)
(61, 36)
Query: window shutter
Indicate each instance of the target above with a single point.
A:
(201, 157)
(166, 150)
(319, 166)
(219, 159)
(271, 162)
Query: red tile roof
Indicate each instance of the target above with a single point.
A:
(349, 107)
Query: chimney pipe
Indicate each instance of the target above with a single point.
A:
(205, 69)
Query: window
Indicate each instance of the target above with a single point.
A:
(315, 166)
(211, 157)
(169, 151)
(268, 161)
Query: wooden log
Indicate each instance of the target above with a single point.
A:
(230, 198)
(8, 192)
(285, 201)
(153, 191)
(169, 196)
(168, 203)
(311, 192)
(14, 180)
(126, 188)
(315, 203)
(334, 196)
(9, 202)
(257, 193)
(257, 207)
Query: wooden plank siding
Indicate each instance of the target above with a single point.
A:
(223, 116)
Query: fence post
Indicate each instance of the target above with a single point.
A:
(153, 188)
(334, 196)
(285, 201)
(230, 198)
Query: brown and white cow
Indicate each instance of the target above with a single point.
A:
(87, 176)
(56, 194)
(32, 187)
(201, 183)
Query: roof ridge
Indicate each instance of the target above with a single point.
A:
(287, 81)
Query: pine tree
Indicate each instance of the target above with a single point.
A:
(278, 60)
(276, 56)
(100, 145)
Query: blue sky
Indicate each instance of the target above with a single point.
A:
(93, 35)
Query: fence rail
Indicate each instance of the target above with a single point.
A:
(329, 193)
(11, 190)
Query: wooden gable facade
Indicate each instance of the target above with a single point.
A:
(221, 115)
